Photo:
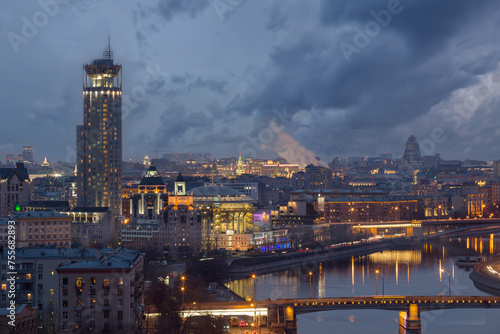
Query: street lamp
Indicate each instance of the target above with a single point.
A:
(254, 293)
(310, 284)
(376, 281)
(254, 304)
(183, 288)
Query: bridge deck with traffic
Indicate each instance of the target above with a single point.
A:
(281, 313)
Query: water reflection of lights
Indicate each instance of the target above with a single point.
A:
(402, 256)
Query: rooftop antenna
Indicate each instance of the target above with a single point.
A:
(108, 54)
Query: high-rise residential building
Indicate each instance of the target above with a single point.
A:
(28, 154)
(99, 139)
(9, 159)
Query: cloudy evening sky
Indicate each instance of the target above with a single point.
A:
(261, 77)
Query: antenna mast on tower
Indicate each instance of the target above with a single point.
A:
(108, 54)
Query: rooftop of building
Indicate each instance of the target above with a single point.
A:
(90, 209)
(19, 170)
(373, 199)
(152, 177)
(219, 194)
(47, 204)
(50, 252)
(119, 258)
(341, 191)
(38, 214)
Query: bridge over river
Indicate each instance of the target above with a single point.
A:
(281, 313)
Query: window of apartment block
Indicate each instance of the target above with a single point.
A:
(65, 303)
(79, 282)
(65, 281)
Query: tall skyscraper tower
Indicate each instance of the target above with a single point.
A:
(412, 155)
(28, 155)
(99, 139)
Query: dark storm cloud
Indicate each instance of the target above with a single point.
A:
(214, 85)
(425, 25)
(413, 64)
(277, 18)
(224, 76)
(178, 79)
(170, 8)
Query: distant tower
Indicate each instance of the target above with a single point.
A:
(412, 155)
(146, 161)
(45, 163)
(180, 186)
(9, 159)
(99, 139)
(215, 166)
(28, 155)
(240, 169)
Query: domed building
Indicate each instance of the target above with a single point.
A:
(227, 209)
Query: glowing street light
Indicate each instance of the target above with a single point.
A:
(253, 280)
(310, 284)
(183, 288)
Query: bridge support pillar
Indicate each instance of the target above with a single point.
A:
(409, 322)
(282, 319)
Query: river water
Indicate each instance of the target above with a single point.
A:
(400, 272)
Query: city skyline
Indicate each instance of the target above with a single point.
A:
(331, 85)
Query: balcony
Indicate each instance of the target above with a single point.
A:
(79, 308)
